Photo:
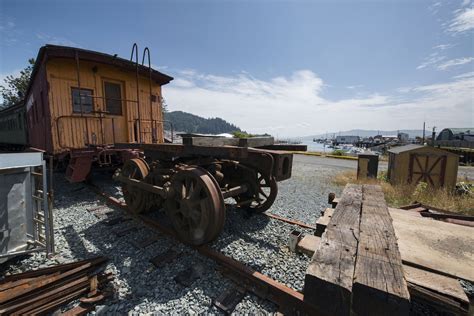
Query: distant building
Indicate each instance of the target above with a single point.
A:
(457, 134)
(347, 139)
(403, 137)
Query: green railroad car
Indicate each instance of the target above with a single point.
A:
(13, 131)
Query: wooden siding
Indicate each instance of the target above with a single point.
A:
(399, 165)
(38, 114)
(69, 128)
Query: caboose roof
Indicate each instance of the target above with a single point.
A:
(55, 51)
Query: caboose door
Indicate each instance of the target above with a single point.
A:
(114, 107)
(427, 168)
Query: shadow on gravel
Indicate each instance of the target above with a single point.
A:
(138, 280)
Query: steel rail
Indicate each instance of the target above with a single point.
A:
(287, 299)
(289, 221)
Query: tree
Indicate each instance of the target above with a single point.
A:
(14, 89)
(164, 105)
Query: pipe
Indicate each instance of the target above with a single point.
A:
(80, 94)
(147, 51)
(135, 50)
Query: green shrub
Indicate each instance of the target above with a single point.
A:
(239, 134)
(338, 152)
(382, 176)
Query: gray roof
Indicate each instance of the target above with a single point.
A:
(410, 147)
(465, 130)
(399, 149)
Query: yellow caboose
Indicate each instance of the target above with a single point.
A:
(80, 103)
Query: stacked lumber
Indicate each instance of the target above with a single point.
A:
(431, 253)
(357, 268)
(44, 290)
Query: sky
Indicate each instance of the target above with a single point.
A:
(288, 68)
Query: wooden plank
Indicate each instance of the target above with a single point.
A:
(323, 222)
(441, 304)
(435, 245)
(286, 147)
(226, 141)
(256, 141)
(435, 282)
(379, 284)
(329, 277)
(210, 141)
(308, 244)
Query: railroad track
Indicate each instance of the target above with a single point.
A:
(287, 299)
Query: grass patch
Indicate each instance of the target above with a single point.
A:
(399, 195)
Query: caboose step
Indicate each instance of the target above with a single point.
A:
(78, 169)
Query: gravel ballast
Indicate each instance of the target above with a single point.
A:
(257, 241)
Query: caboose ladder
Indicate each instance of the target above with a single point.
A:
(43, 234)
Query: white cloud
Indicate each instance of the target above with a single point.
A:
(8, 31)
(444, 46)
(357, 86)
(295, 105)
(464, 75)
(55, 40)
(431, 60)
(463, 21)
(455, 62)
(182, 83)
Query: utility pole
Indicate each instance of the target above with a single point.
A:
(423, 139)
(433, 135)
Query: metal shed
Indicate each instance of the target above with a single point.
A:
(26, 222)
(416, 163)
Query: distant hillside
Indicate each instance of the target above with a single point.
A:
(367, 133)
(190, 123)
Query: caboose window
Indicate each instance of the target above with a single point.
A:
(113, 98)
(82, 97)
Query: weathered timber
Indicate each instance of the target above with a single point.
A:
(334, 202)
(210, 141)
(308, 244)
(442, 304)
(441, 247)
(323, 222)
(226, 141)
(287, 147)
(379, 284)
(446, 289)
(256, 141)
(443, 293)
(329, 277)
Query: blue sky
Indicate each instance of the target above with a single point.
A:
(290, 68)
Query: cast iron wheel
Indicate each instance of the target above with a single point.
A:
(135, 198)
(263, 192)
(196, 208)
